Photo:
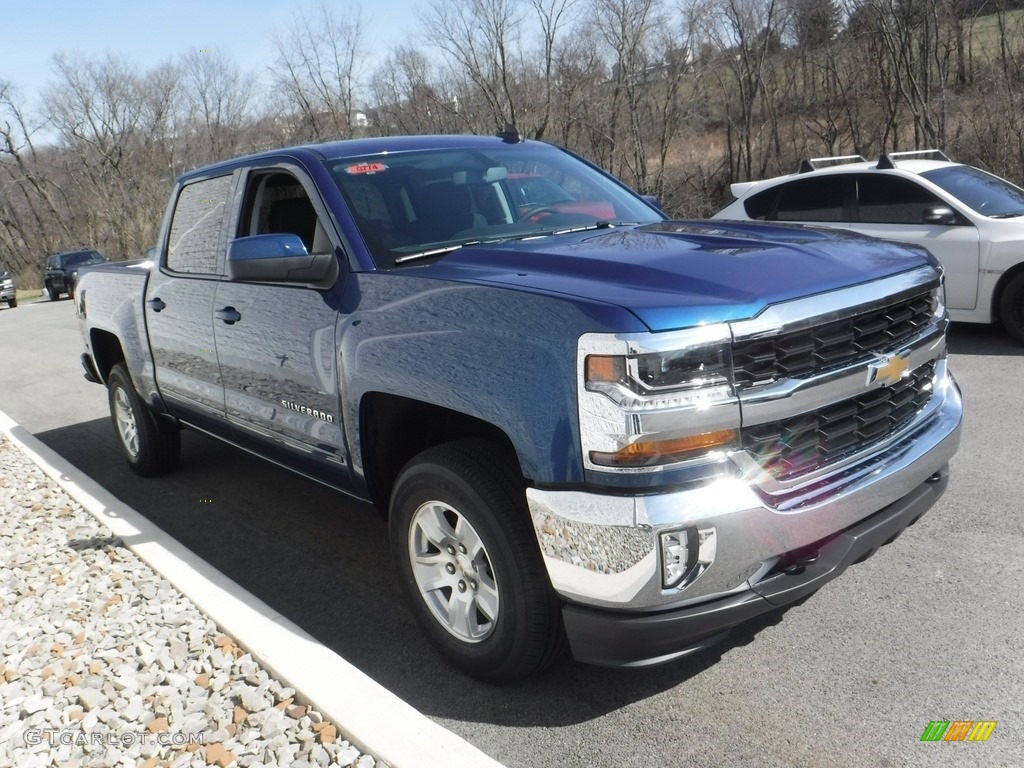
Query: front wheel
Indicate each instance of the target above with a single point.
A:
(1011, 307)
(12, 303)
(150, 445)
(52, 292)
(469, 563)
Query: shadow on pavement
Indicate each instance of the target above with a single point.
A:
(976, 339)
(322, 560)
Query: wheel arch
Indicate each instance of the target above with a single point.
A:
(393, 429)
(1004, 280)
(106, 352)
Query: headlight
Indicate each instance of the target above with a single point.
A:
(939, 300)
(649, 401)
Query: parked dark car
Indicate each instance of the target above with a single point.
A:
(61, 271)
(7, 291)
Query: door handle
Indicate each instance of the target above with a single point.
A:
(229, 315)
(156, 304)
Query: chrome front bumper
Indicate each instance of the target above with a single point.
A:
(602, 550)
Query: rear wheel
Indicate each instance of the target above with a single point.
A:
(1011, 307)
(469, 563)
(150, 445)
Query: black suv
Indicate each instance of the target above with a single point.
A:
(7, 292)
(61, 271)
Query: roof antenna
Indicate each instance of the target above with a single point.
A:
(510, 134)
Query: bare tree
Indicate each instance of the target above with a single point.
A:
(481, 39)
(218, 99)
(748, 33)
(551, 15)
(412, 97)
(31, 203)
(318, 72)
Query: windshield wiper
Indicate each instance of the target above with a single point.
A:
(1011, 215)
(583, 228)
(435, 251)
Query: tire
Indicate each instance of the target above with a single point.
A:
(468, 561)
(151, 446)
(12, 303)
(1011, 307)
(52, 292)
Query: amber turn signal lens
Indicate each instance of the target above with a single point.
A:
(605, 368)
(647, 452)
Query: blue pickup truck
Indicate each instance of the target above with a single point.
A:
(591, 429)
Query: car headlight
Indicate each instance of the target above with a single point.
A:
(653, 401)
(939, 300)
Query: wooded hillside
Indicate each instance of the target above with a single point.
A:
(679, 98)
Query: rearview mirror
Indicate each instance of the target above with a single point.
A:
(652, 200)
(279, 258)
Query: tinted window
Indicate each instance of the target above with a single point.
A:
(760, 206)
(196, 228)
(982, 192)
(819, 199)
(892, 200)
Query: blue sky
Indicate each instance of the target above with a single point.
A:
(147, 32)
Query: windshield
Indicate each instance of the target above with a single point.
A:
(422, 203)
(980, 191)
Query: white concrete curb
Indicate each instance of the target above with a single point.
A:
(366, 713)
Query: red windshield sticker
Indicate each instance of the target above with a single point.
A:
(366, 168)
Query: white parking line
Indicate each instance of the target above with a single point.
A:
(370, 716)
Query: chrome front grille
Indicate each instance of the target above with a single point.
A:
(805, 442)
(803, 353)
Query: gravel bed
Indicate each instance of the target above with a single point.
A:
(104, 663)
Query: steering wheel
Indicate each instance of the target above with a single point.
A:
(537, 210)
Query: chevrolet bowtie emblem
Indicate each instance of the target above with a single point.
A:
(888, 369)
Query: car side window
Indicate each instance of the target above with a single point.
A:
(197, 225)
(892, 200)
(815, 199)
(761, 205)
(277, 203)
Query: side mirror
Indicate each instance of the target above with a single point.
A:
(938, 214)
(279, 259)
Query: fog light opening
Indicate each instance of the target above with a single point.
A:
(686, 554)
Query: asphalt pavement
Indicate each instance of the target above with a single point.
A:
(927, 629)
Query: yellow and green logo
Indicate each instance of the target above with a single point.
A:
(958, 730)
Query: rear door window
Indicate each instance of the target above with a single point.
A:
(892, 200)
(198, 225)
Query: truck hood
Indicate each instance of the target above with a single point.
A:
(677, 274)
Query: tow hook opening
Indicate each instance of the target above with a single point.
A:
(794, 563)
